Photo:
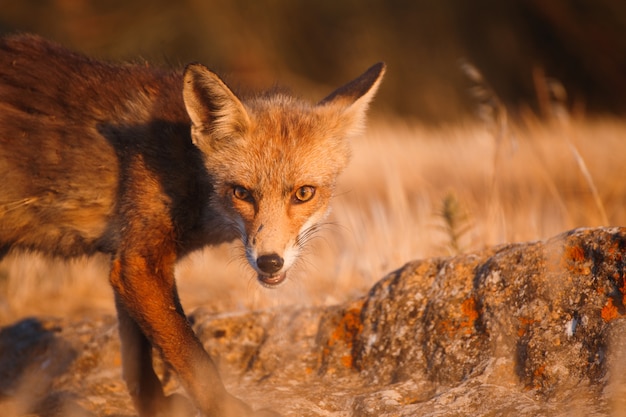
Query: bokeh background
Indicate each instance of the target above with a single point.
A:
(497, 122)
(304, 44)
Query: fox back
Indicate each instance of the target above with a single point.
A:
(69, 126)
(146, 165)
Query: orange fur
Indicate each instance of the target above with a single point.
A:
(147, 165)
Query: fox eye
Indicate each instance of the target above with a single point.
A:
(304, 194)
(240, 193)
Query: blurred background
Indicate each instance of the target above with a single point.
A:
(497, 122)
(516, 44)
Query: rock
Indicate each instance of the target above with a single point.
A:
(532, 329)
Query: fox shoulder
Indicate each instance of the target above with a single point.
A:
(216, 111)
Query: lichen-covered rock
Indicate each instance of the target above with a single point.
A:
(534, 329)
(546, 307)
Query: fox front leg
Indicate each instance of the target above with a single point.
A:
(150, 314)
(143, 385)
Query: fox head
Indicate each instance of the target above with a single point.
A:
(274, 160)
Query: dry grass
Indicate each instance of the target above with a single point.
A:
(410, 192)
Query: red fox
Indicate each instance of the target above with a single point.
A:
(146, 165)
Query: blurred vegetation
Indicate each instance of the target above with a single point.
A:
(518, 45)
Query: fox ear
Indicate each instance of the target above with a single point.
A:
(356, 95)
(213, 109)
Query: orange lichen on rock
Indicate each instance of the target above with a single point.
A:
(540, 371)
(575, 253)
(446, 326)
(538, 374)
(524, 324)
(347, 361)
(346, 332)
(573, 260)
(615, 251)
(609, 311)
(471, 314)
(615, 254)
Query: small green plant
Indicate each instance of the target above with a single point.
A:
(456, 222)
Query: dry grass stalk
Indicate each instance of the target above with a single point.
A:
(552, 98)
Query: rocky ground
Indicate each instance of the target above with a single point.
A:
(533, 329)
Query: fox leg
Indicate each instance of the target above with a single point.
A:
(150, 314)
(143, 384)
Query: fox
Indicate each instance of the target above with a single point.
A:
(147, 164)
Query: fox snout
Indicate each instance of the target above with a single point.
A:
(270, 266)
(274, 237)
(271, 259)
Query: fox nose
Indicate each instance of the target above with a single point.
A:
(270, 264)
